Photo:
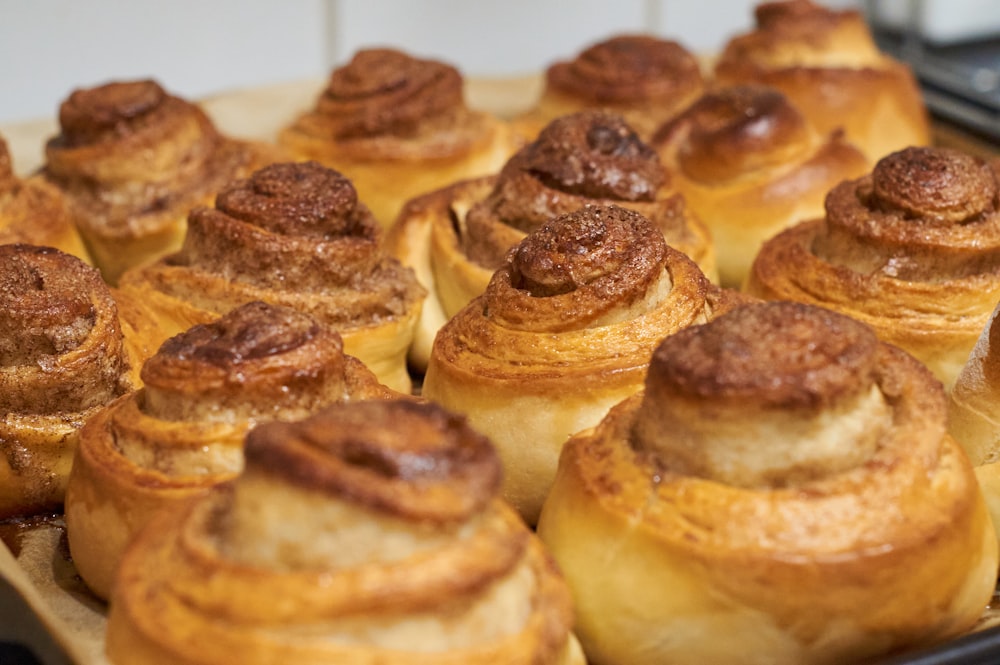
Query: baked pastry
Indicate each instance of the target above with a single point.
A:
(183, 432)
(644, 78)
(564, 331)
(913, 249)
(749, 166)
(368, 533)
(63, 355)
(782, 491)
(456, 238)
(132, 160)
(397, 126)
(292, 234)
(972, 409)
(828, 64)
(34, 212)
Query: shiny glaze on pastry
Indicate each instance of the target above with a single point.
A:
(564, 330)
(34, 212)
(828, 64)
(749, 166)
(63, 355)
(644, 78)
(132, 160)
(183, 432)
(913, 249)
(397, 126)
(788, 479)
(293, 234)
(457, 237)
(368, 533)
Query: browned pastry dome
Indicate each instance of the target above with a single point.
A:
(827, 63)
(367, 533)
(292, 234)
(749, 166)
(34, 212)
(183, 432)
(397, 126)
(642, 77)
(457, 237)
(912, 248)
(788, 478)
(63, 355)
(132, 160)
(564, 330)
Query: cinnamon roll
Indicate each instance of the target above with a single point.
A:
(182, 432)
(828, 64)
(972, 408)
(564, 330)
(397, 126)
(368, 533)
(34, 212)
(749, 166)
(63, 355)
(292, 234)
(783, 490)
(913, 249)
(455, 238)
(644, 78)
(132, 160)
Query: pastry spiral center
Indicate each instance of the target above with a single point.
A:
(45, 313)
(552, 261)
(88, 114)
(937, 183)
(769, 394)
(384, 91)
(294, 199)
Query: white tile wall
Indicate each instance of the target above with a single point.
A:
(198, 47)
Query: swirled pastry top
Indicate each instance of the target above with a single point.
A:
(801, 33)
(590, 157)
(913, 249)
(923, 214)
(588, 290)
(628, 68)
(132, 157)
(61, 344)
(790, 477)
(378, 526)
(293, 234)
(383, 98)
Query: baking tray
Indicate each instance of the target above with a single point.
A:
(45, 604)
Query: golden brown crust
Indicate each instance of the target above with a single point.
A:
(564, 330)
(62, 356)
(748, 165)
(457, 237)
(644, 78)
(34, 212)
(292, 234)
(132, 160)
(356, 584)
(183, 432)
(910, 249)
(397, 126)
(826, 61)
(821, 530)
